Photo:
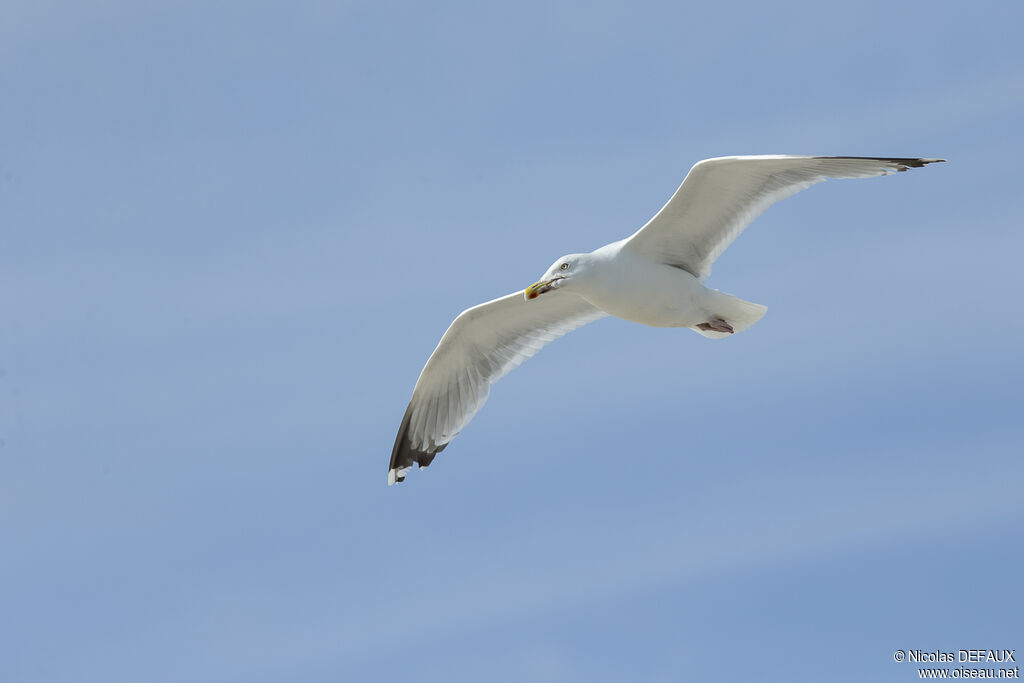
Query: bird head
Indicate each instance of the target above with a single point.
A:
(560, 274)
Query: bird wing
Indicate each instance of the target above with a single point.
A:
(482, 345)
(720, 197)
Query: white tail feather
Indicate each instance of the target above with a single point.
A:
(739, 314)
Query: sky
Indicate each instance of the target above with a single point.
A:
(231, 233)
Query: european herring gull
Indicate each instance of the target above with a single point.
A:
(653, 277)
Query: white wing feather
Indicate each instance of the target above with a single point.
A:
(720, 197)
(480, 347)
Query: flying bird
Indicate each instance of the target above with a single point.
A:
(652, 277)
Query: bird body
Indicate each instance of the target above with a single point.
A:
(631, 286)
(654, 277)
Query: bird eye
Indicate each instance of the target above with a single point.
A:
(565, 266)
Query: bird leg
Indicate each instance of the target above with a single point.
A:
(716, 325)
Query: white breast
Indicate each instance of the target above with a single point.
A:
(640, 291)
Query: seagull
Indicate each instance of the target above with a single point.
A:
(654, 277)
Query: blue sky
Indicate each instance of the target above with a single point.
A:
(232, 233)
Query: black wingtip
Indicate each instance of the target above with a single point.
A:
(905, 164)
(404, 455)
(902, 163)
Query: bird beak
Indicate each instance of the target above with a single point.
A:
(538, 288)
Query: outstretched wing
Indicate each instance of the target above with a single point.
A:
(720, 197)
(482, 345)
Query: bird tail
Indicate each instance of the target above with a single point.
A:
(728, 314)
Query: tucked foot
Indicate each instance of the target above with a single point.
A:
(716, 325)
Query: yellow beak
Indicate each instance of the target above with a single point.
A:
(538, 288)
